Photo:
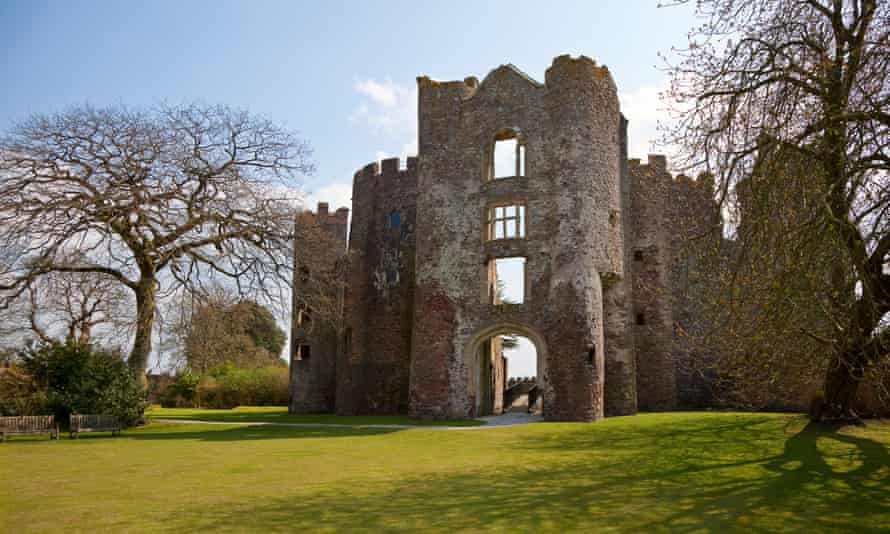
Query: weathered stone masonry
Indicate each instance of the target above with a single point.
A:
(597, 247)
(653, 324)
(570, 127)
(374, 364)
(313, 378)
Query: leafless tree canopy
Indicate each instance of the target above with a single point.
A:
(765, 81)
(161, 200)
(74, 306)
(14, 315)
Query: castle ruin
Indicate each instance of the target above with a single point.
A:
(593, 233)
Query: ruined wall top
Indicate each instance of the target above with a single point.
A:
(657, 164)
(333, 223)
(563, 68)
(323, 216)
(389, 168)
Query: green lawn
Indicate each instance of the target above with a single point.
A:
(701, 472)
(278, 414)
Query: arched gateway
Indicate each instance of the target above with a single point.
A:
(488, 381)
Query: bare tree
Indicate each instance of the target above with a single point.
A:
(77, 304)
(812, 76)
(157, 200)
(13, 315)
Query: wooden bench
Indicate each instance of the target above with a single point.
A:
(94, 423)
(29, 424)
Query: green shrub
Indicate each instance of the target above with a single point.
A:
(210, 393)
(182, 392)
(157, 386)
(227, 386)
(83, 379)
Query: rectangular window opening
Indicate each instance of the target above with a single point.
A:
(506, 222)
(505, 154)
(521, 160)
(304, 352)
(506, 281)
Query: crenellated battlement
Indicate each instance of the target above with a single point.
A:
(656, 165)
(703, 182)
(516, 380)
(322, 215)
(389, 168)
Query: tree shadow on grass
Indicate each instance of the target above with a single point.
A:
(196, 432)
(818, 480)
(282, 416)
(246, 433)
(823, 480)
(699, 432)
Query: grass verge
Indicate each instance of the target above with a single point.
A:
(701, 472)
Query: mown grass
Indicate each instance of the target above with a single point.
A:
(278, 414)
(688, 472)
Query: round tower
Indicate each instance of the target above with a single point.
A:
(584, 122)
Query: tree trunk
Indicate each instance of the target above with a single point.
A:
(145, 309)
(841, 384)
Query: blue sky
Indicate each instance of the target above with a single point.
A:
(342, 74)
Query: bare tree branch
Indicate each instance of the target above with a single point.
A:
(160, 200)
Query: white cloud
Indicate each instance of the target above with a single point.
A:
(643, 109)
(387, 107)
(385, 93)
(389, 111)
(337, 195)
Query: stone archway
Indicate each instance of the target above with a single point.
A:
(479, 390)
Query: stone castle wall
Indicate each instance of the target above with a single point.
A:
(571, 128)
(373, 370)
(601, 248)
(620, 395)
(313, 375)
(696, 230)
(652, 312)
